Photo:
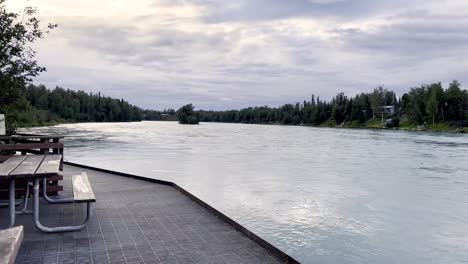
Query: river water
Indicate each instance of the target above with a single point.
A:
(322, 195)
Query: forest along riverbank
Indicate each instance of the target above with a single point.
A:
(426, 108)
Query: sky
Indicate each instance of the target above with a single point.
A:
(229, 54)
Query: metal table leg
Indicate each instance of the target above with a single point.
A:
(25, 201)
(59, 228)
(51, 200)
(11, 202)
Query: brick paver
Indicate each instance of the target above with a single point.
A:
(134, 221)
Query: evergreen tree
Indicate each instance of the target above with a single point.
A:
(17, 58)
(432, 106)
(187, 115)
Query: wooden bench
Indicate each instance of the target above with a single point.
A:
(10, 242)
(82, 191)
(37, 168)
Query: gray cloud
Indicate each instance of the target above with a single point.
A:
(221, 54)
(253, 10)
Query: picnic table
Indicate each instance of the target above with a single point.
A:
(30, 144)
(39, 167)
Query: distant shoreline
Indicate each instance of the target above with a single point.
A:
(438, 128)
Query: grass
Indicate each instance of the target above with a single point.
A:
(375, 123)
(440, 127)
(328, 123)
(408, 126)
(354, 124)
(437, 127)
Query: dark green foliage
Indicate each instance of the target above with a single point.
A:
(17, 59)
(394, 122)
(187, 115)
(40, 106)
(431, 103)
(432, 106)
(422, 104)
(428, 103)
(79, 106)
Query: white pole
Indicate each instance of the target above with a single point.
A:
(2, 125)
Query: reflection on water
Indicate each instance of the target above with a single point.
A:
(322, 195)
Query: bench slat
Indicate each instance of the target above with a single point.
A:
(22, 191)
(10, 242)
(50, 164)
(82, 191)
(29, 165)
(28, 146)
(10, 165)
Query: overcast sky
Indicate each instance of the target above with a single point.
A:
(220, 54)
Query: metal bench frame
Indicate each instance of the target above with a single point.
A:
(36, 211)
(52, 200)
(57, 229)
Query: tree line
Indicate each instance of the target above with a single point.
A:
(427, 104)
(40, 106)
(80, 106)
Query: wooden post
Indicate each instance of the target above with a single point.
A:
(44, 151)
(55, 150)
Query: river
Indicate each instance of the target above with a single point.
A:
(322, 195)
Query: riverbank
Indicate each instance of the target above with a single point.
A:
(407, 126)
(373, 125)
(438, 127)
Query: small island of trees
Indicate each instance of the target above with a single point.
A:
(187, 115)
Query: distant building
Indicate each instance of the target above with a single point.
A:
(386, 110)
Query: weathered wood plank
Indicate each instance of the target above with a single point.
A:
(50, 164)
(28, 166)
(57, 177)
(27, 146)
(4, 158)
(30, 136)
(38, 136)
(10, 242)
(82, 191)
(20, 182)
(21, 191)
(10, 165)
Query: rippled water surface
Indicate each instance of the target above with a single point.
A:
(321, 195)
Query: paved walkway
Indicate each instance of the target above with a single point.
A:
(134, 221)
